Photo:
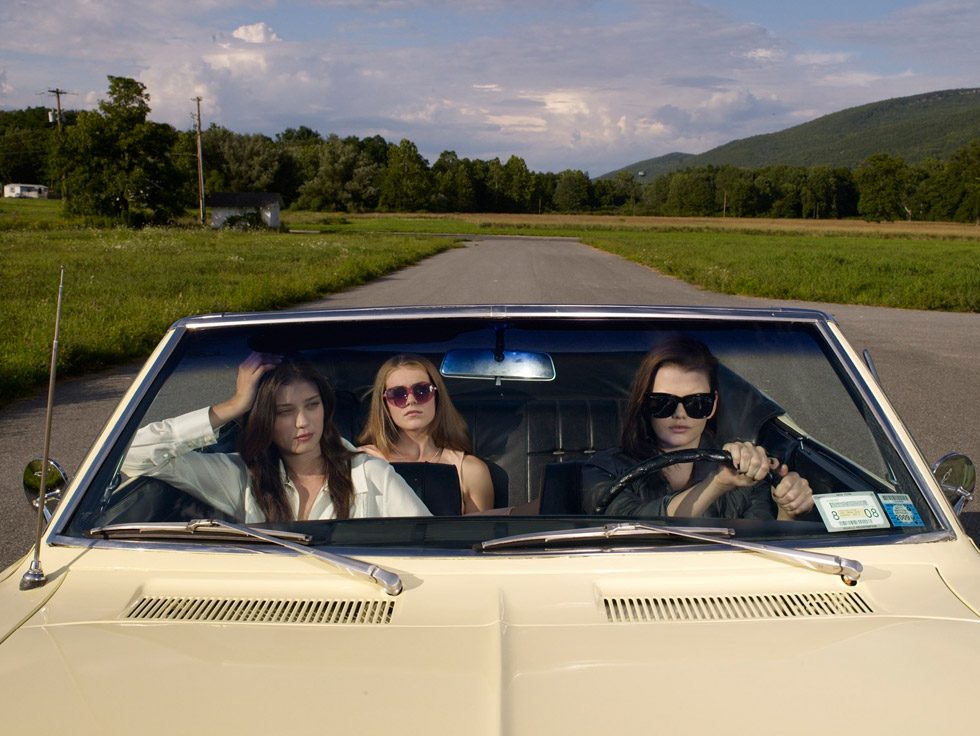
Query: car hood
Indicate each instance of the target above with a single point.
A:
(547, 654)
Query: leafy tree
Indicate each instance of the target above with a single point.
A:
(572, 191)
(118, 164)
(251, 163)
(885, 183)
(964, 182)
(453, 184)
(300, 148)
(516, 184)
(542, 194)
(345, 179)
(406, 185)
(655, 195)
(26, 140)
(623, 190)
(828, 192)
(691, 194)
(734, 194)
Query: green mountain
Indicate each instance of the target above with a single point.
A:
(932, 125)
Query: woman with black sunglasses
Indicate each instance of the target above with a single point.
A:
(672, 406)
(412, 419)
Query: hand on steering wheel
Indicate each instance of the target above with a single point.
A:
(659, 463)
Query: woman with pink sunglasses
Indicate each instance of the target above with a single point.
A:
(412, 419)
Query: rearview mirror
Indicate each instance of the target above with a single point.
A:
(505, 365)
(957, 476)
(55, 484)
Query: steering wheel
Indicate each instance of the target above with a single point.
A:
(653, 465)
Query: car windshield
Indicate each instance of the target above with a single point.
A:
(545, 400)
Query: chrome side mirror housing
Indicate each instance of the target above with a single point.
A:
(957, 476)
(55, 483)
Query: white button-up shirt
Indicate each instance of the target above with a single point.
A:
(164, 450)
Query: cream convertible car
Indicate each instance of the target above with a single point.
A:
(158, 612)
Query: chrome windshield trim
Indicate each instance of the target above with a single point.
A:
(508, 311)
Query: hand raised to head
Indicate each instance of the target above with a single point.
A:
(250, 372)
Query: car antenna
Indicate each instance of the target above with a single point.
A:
(35, 577)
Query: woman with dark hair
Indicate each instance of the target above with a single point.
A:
(293, 465)
(412, 419)
(672, 406)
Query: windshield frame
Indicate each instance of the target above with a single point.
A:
(854, 375)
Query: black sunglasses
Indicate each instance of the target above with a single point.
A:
(697, 406)
(398, 395)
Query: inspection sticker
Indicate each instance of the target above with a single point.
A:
(900, 509)
(842, 512)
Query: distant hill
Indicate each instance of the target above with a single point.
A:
(931, 125)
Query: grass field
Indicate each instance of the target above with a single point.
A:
(124, 287)
(904, 265)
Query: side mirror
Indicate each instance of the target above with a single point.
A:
(55, 483)
(957, 476)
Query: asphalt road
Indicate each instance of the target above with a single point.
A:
(927, 361)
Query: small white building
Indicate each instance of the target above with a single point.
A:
(25, 191)
(260, 206)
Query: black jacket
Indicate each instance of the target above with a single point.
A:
(649, 496)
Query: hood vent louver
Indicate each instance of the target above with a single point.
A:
(261, 611)
(735, 607)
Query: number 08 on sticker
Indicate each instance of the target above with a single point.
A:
(845, 511)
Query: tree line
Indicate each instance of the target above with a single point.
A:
(114, 162)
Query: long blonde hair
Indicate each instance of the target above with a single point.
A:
(448, 429)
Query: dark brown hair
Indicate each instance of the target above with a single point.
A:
(448, 429)
(638, 439)
(262, 457)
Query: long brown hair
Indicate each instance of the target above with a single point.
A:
(638, 439)
(448, 429)
(262, 457)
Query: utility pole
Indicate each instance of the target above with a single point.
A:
(57, 92)
(200, 161)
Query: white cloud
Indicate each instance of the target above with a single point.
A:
(823, 58)
(591, 84)
(760, 54)
(255, 33)
(519, 123)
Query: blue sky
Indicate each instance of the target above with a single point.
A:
(584, 84)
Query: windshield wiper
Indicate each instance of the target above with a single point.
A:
(849, 570)
(216, 529)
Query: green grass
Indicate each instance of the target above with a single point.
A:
(32, 214)
(906, 273)
(123, 288)
(873, 265)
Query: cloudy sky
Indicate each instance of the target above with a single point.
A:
(591, 85)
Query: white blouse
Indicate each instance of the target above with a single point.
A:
(164, 450)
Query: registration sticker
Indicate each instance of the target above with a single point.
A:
(842, 512)
(900, 509)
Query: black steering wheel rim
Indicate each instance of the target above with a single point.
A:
(654, 464)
